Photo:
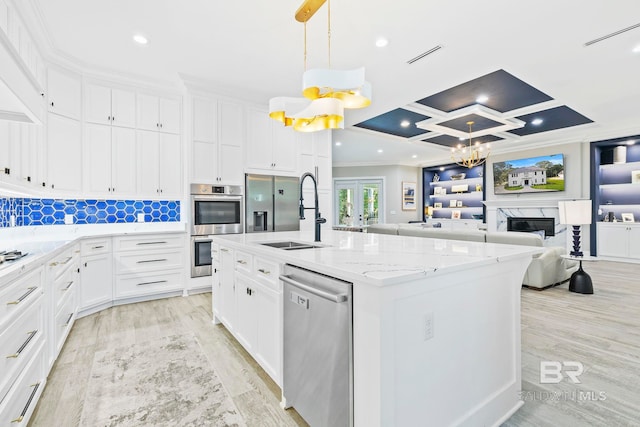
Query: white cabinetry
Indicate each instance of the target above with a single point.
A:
(619, 240)
(225, 294)
(64, 154)
(158, 113)
(148, 265)
(270, 145)
(159, 165)
(96, 273)
(217, 144)
(109, 165)
(109, 106)
(315, 156)
(64, 91)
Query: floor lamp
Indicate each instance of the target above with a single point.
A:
(577, 213)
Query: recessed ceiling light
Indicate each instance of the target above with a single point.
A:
(536, 122)
(441, 168)
(382, 42)
(140, 39)
(461, 138)
(405, 123)
(415, 156)
(636, 49)
(380, 151)
(631, 142)
(482, 98)
(338, 143)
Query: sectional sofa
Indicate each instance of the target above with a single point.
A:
(546, 269)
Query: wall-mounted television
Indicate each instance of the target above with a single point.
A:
(529, 175)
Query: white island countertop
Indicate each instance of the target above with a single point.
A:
(379, 259)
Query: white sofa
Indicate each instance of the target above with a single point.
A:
(546, 269)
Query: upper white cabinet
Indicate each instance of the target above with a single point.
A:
(315, 156)
(64, 154)
(109, 161)
(109, 106)
(158, 113)
(159, 165)
(217, 145)
(64, 93)
(270, 145)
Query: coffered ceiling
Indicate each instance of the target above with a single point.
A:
(531, 59)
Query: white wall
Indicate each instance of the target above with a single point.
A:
(393, 176)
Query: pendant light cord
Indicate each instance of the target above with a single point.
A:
(305, 46)
(329, 29)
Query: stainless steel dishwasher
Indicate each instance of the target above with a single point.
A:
(318, 347)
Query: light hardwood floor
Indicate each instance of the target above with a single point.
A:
(601, 331)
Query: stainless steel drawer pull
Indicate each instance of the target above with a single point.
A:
(150, 243)
(151, 260)
(151, 283)
(26, 407)
(68, 286)
(68, 321)
(224, 250)
(67, 260)
(97, 247)
(24, 345)
(24, 296)
(263, 271)
(241, 261)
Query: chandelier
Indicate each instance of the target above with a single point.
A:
(471, 155)
(327, 92)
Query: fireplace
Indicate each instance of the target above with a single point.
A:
(528, 224)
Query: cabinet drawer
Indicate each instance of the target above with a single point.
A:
(20, 401)
(18, 343)
(131, 286)
(266, 272)
(64, 285)
(64, 319)
(18, 295)
(60, 263)
(160, 241)
(215, 252)
(243, 261)
(136, 262)
(95, 246)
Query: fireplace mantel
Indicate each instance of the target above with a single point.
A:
(522, 203)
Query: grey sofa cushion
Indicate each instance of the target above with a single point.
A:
(383, 228)
(515, 238)
(439, 233)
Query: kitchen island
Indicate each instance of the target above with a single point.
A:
(436, 323)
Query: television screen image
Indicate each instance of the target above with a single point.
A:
(530, 175)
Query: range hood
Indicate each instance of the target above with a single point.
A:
(20, 93)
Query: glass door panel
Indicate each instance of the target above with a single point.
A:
(358, 202)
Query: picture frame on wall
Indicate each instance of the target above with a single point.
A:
(627, 217)
(635, 177)
(437, 190)
(452, 203)
(408, 196)
(459, 203)
(437, 205)
(456, 214)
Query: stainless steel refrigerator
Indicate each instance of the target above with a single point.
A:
(272, 203)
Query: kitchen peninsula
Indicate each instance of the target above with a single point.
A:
(436, 323)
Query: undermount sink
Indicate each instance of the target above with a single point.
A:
(289, 245)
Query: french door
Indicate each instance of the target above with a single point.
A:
(358, 202)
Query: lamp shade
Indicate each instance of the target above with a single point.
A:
(575, 212)
(346, 85)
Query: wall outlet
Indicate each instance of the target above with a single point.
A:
(12, 221)
(392, 212)
(140, 217)
(68, 219)
(428, 326)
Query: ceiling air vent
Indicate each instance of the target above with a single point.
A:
(617, 33)
(423, 54)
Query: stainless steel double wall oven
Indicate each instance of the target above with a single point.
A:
(215, 209)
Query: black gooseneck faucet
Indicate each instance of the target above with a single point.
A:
(318, 219)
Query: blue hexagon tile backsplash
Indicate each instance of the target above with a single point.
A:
(24, 212)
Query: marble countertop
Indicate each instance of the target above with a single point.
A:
(377, 259)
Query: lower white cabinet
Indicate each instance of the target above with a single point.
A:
(619, 240)
(153, 264)
(96, 273)
(247, 299)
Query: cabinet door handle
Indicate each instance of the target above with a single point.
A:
(66, 260)
(24, 345)
(23, 296)
(241, 261)
(97, 247)
(68, 321)
(52, 104)
(68, 286)
(151, 283)
(224, 250)
(150, 243)
(151, 260)
(26, 406)
(263, 271)
(108, 118)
